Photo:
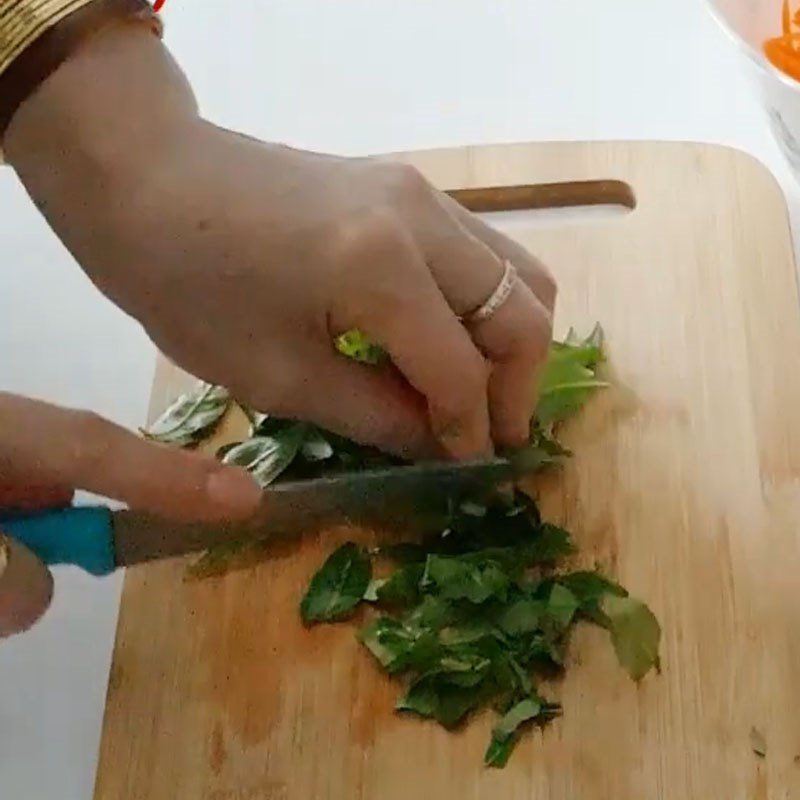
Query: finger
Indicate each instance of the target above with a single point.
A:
(72, 448)
(515, 338)
(410, 318)
(532, 271)
(25, 496)
(374, 405)
(26, 588)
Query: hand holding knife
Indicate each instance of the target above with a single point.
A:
(415, 497)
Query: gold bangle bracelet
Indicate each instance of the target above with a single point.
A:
(37, 36)
(24, 21)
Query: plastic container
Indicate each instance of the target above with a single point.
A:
(750, 23)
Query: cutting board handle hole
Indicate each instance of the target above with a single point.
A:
(602, 199)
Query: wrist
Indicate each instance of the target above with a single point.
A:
(39, 35)
(108, 108)
(95, 139)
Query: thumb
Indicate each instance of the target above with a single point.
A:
(26, 588)
(60, 447)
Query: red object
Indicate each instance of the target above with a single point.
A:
(158, 5)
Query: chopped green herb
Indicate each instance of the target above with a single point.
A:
(522, 616)
(504, 736)
(455, 578)
(339, 585)
(397, 646)
(569, 378)
(191, 417)
(266, 457)
(355, 345)
(316, 448)
(635, 633)
(561, 606)
(447, 703)
(590, 588)
(402, 586)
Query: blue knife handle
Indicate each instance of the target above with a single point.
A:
(83, 537)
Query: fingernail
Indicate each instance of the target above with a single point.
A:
(460, 445)
(234, 490)
(518, 436)
(452, 438)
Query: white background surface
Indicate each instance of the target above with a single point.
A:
(351, 76)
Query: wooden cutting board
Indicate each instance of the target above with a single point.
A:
(685, 484)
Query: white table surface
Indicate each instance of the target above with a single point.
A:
(351, 76)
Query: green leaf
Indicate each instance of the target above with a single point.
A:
(384, 638)
(590, 588)
(191, 417)
(635, 633)
(594, 340)
(523, 616)
(503, 525)
(266, 457)
(504, 735)
(568, 378)
(421, 698)
(454, 578)
(315, 446)
(562, 605)
(544, 653)
(454, 703)
(399, 647)
(523, 679)
(355, 345)
(463, 668)
(588, 350)
(433, 613)
(465, 632)
(402, 586)
(550, 544)
(338, 586)
(448, 704)
(526, 709)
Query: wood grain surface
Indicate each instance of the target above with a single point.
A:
(685, 485)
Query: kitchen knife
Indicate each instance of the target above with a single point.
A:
(409, 498)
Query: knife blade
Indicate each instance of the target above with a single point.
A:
(411, 498)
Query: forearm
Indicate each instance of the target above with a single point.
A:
(118, 98)
(90, 139)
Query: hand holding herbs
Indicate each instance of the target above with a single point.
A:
(242, 259)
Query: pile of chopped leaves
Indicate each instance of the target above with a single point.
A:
(476, 615)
